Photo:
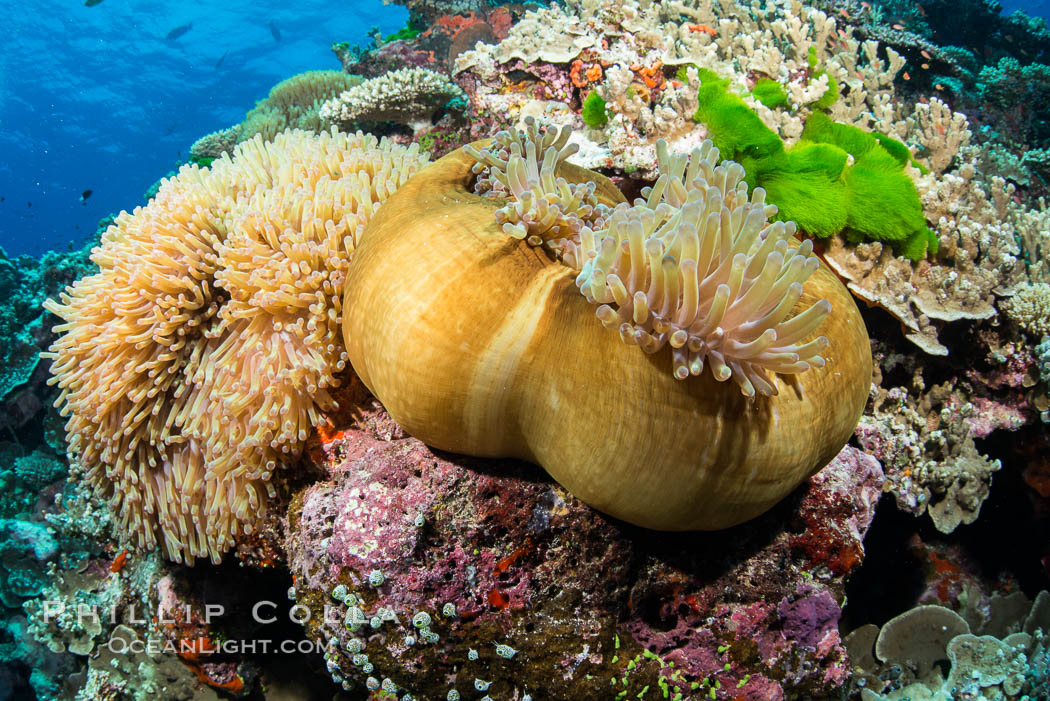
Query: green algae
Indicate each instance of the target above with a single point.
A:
(837, 179)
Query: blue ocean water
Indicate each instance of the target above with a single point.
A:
(1033, 9)
(96, 98)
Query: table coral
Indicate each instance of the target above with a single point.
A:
(488, 554)
(985, 666)
(407, 96)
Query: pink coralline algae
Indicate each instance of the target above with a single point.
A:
(429, 572)
(837, 511)
(990, 415)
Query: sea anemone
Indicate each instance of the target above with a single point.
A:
(470, 313)
(194, 363)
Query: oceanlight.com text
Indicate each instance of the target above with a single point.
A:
(154, 646)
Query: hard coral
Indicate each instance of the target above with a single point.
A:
(407, 96)
(480, 344)
(193, 364)
(293, 103)
(1030, 309)
(910, 651)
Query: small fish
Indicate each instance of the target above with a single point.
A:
(866, 6)
(275, 31)
(926, 54)
(29, 204)
(899, 27)
(844, 13)
(2, 198)
(710, 31)
(938, 86)
(179, 31)
(119, 561)
(906, 76)
(85, 195)
(221, 58)
(925, 66)
(92, 3)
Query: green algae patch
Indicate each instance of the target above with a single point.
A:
(734, 127)
(883, 202)
(594, 112)
(770, 93)
(837, 179)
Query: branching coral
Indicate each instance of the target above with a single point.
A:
(192, 366)
(1030, 309)
(478, 342)
(798, 57)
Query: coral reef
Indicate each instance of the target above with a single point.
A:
(979, 257)
(294, 103)
(633, 53)
(429, 573)
(1029, 308)
(923, 431)
(637, 57)
(209, 417)
(193, 364)
(426, 11)
(858, 177)
(986, 659)
(431, 44)
(408, 96)
(95, 603)
(24, 284)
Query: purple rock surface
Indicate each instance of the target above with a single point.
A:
(428, 572)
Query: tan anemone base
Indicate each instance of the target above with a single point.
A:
(477, 343)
